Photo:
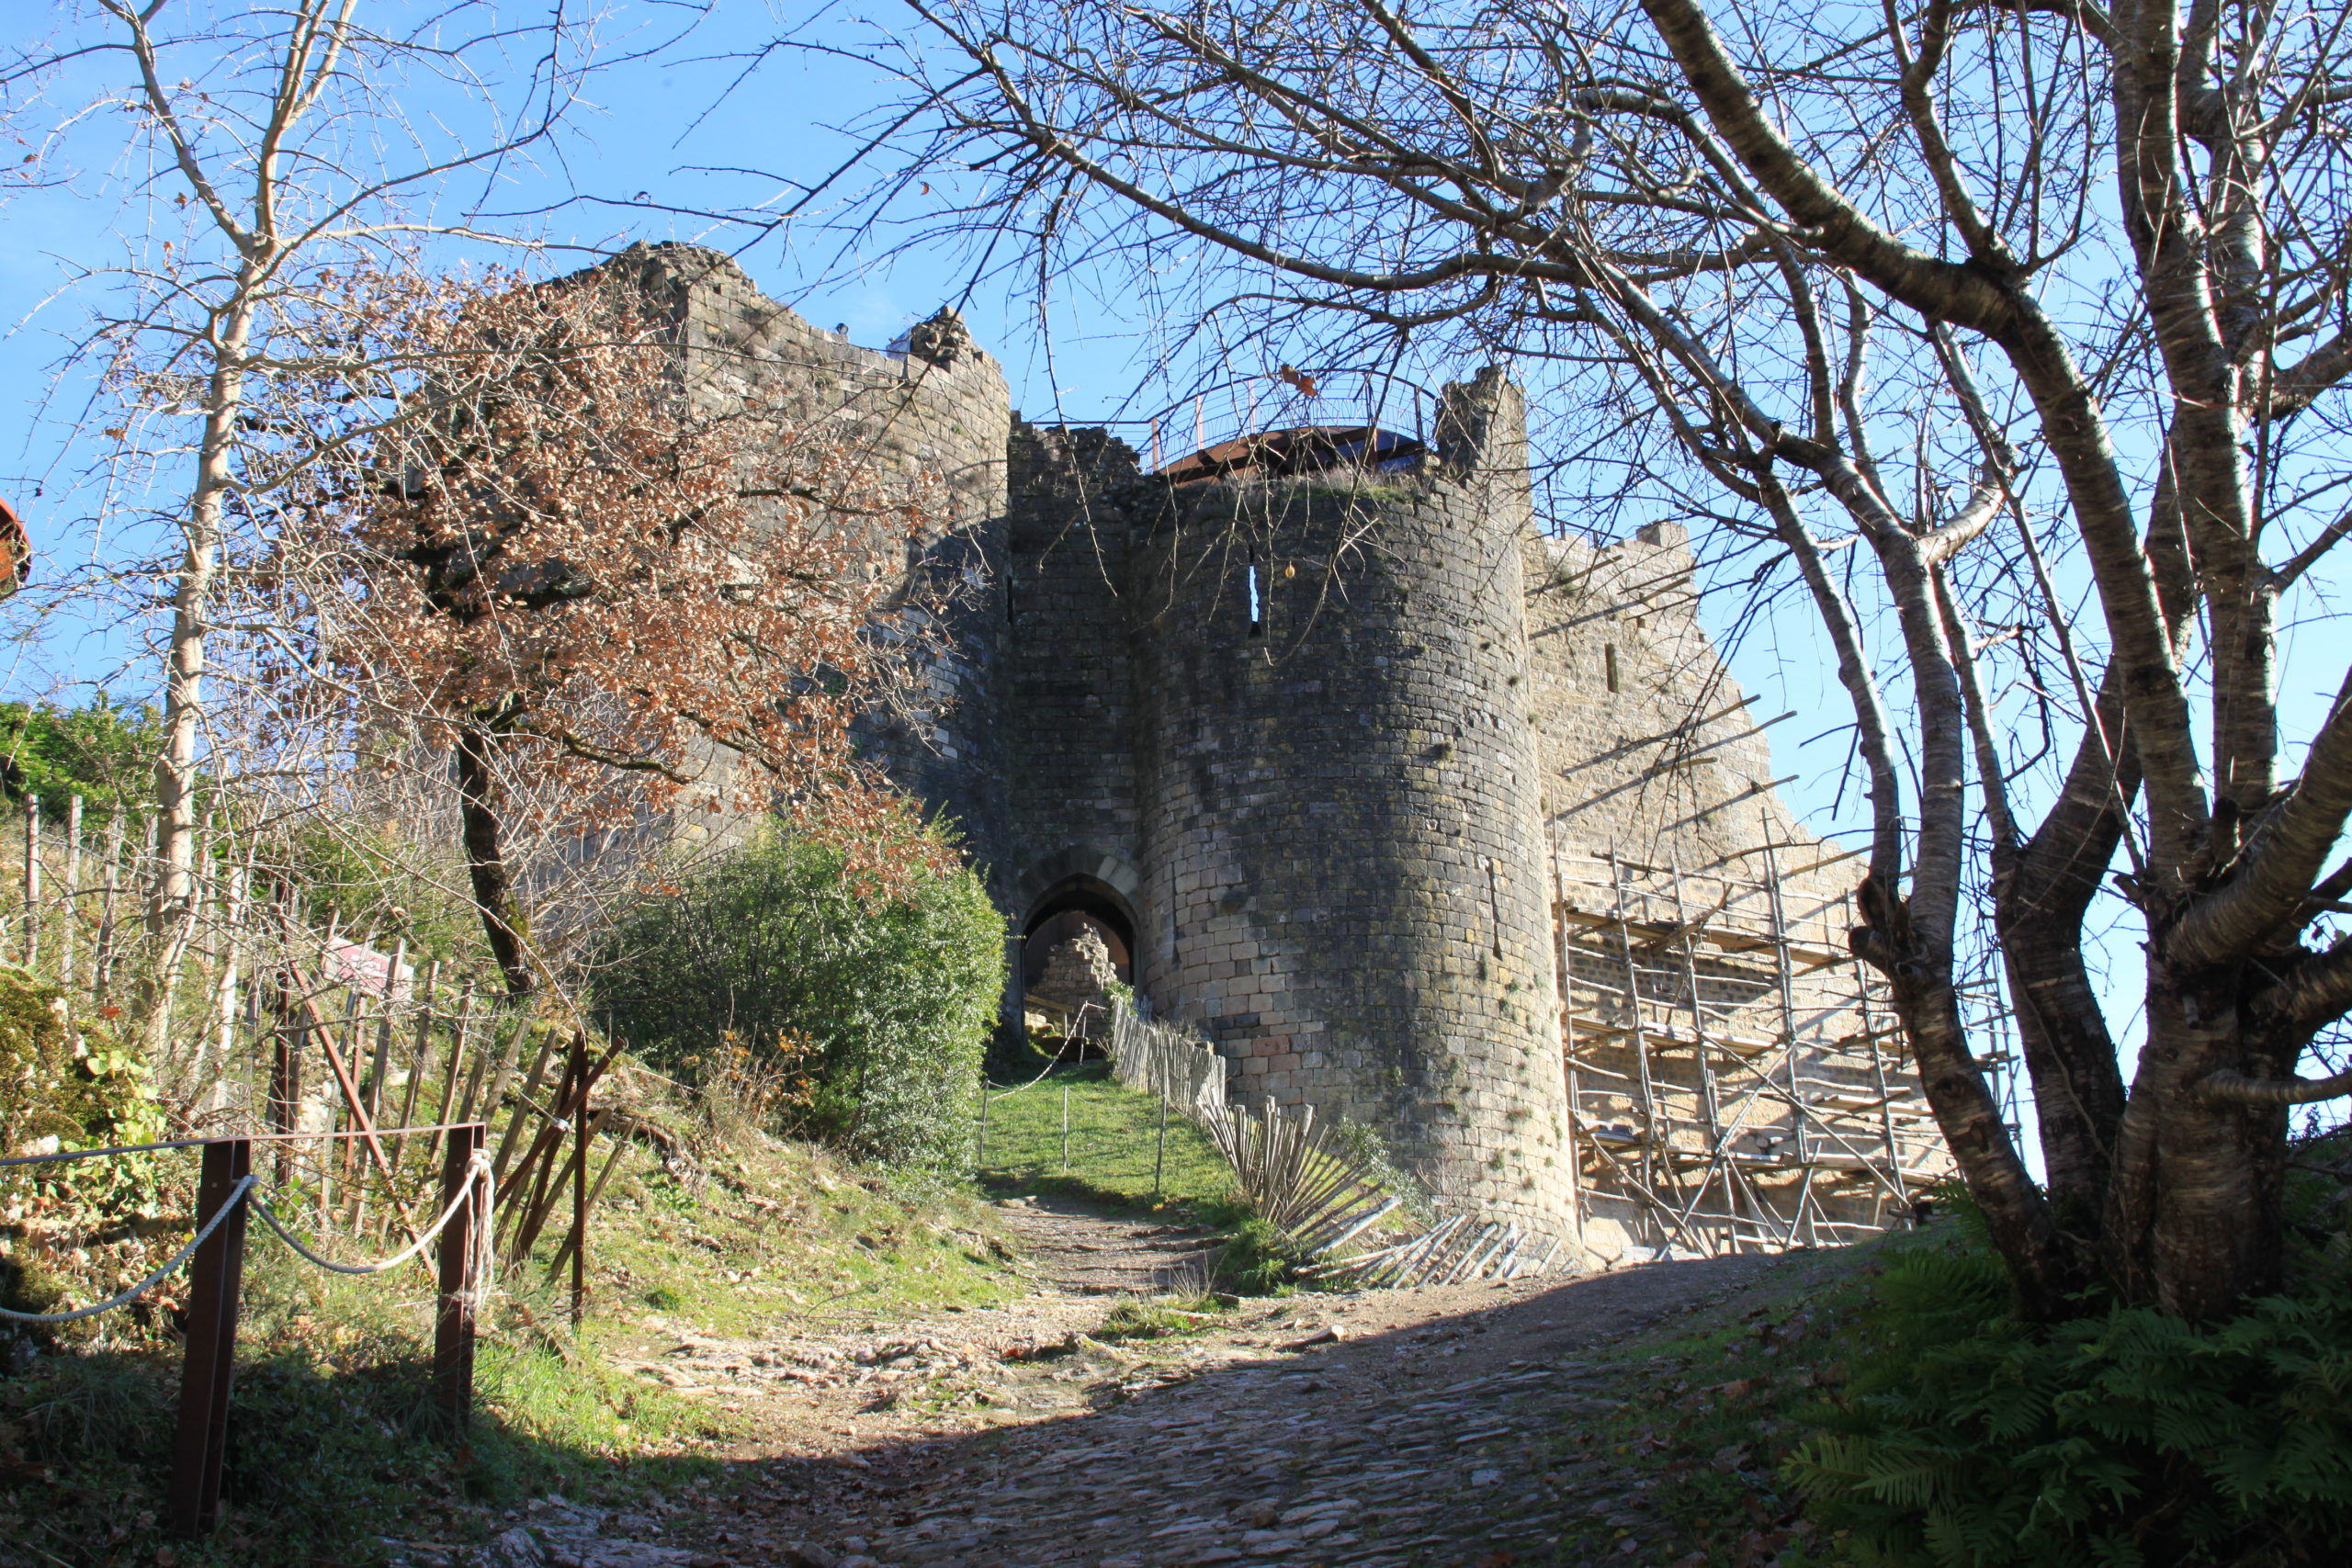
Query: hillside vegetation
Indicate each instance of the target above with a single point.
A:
(334, 1445)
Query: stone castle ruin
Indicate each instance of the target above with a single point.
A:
(1420, 817)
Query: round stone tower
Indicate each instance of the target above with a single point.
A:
(1339, 835)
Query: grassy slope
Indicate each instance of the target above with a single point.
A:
(1114, 1144)
(334, 1446)
(790, 1232)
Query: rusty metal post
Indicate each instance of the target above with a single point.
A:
(453, 1329)
(210, 1364)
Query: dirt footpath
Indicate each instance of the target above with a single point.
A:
(1388, 1428)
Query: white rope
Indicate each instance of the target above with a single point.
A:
(480, 1165)
(69, 1155)
(236, 1195)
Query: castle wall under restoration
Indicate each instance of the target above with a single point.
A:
(1386, 795)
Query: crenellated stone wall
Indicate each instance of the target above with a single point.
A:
(934, 414)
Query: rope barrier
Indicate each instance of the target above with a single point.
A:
(66, 1155)
(481, 1167)
(482, 1270)
(236, 1195)
(1033, 1083)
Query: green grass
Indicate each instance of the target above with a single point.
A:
(785, 1231)
(334, 1444)
(1698, 1413)
(1113, 1142)
(1169, 1317)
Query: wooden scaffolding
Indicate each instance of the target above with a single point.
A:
(1736, 1079)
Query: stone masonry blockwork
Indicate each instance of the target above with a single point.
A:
(1312, 746)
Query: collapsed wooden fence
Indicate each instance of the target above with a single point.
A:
(1341, 1210)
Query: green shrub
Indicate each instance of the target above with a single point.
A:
(1258, 1261)
(1968, 1439)
(67, 1084)
(104, 754)
(860, 1022)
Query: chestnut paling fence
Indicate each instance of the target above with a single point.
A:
(327, 1079)
(1346, 1213)
(315, 1037)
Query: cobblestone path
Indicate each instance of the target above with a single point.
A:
(1389, 1429)
(1066, 1245)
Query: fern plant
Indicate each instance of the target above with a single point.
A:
(2124, 1437)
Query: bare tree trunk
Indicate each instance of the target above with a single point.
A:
(172, 899)
(503, 922)
(2194, 1222)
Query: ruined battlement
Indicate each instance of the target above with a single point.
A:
(1346, 763)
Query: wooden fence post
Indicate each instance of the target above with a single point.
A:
(453, 1329)
(210, 1366)
(32, 881)
(1159, 1159)
(102, 964)
(582, 1124)
(285, 1079)
(72, 892)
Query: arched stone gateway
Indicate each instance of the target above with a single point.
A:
(1076, 888)
(1076, 908)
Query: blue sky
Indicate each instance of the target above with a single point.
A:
(687, 129)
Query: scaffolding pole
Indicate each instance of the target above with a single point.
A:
(1715, 1024)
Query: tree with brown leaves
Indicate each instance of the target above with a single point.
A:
(600, 597)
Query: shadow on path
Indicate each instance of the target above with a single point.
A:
(1432, 1427)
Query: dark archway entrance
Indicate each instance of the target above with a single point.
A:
(1068, 907)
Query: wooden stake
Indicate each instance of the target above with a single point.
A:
(225, 997)
(453, 1328)
(457, 1065)
(360, 1120)
(1159, 1160)
(285, 1077)
(522, 1109)
(383, 1061)
(1802, 1219)
(32, 880)
(1709, 1107)
(102, 966)
(209, 1365)
(421, 1063)
(72, 891)
(351, 1053)
(1634, 1023)
(595, 1188)
(581, 1123)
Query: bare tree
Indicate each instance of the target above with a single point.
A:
(2016, 299)
(266, 152)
